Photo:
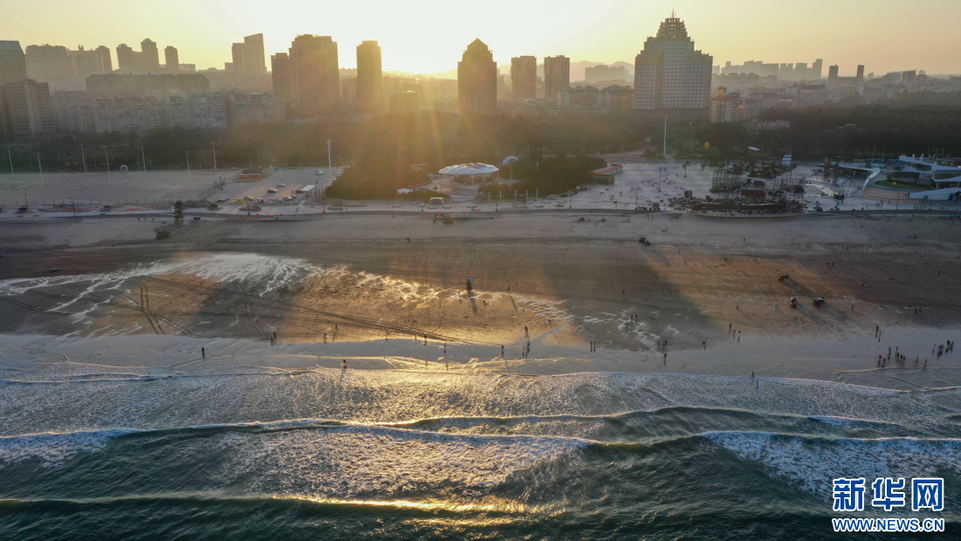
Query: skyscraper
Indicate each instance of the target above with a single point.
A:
(370, 77)
(557, 76)
(127, 59)
(147, 60)
(13, 67)
(151, 56)
(248, 57)
(477, 80)
(239, 64)
(254, 60)
(669, 74)
(310, 83)
(105, 60)
(281, 78)
(523, 78)
(833, 73)
(172, 59)
(48, 63)
(89, 62)
(25, 108)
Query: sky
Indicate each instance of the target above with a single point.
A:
(429, 36)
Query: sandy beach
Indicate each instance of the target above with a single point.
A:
(705, 291)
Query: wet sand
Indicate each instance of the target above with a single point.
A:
(570, 282)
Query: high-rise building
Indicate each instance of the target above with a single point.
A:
(48, 63)
(370, 78)
(477, 80)
(172, 59)
(238, 53)
(25, 108)
(816, 69)
(248, 57)
(13, 67)
(308, 78)
(833, 73)
(281, 79)
(557, 76)
(105, 60)
(89, 62)
(254, 60)
(151, 56)
(127, 59)
(147, 60)
(523, 78)
(860, 75)
(669, 74)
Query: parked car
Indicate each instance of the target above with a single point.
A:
(281, 185)
(271, 190)
(223, 199)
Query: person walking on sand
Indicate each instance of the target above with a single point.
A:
(344, 364)
(203, 354)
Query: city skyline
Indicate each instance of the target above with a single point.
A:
(611, 31)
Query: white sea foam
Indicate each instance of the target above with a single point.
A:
(53, 449)
(812, 463)
(355, 461)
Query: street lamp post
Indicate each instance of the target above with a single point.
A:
(189, 178)
(83, 157)
(10, 155)
(215, 155)
(665, 136)
(330, 173)
(109, 183)
(40, 165)
(143, 158)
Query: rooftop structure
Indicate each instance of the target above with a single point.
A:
(670, 74)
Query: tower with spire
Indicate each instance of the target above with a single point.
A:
(670, 75)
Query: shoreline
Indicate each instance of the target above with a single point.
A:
(568, 282)
(842, 361)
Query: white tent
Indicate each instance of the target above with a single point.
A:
(469, 169)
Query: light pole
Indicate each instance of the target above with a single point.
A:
(11, 159)
(143, 158)
(108, 169)
(665, 137)
(215, 155)
(40, 165)
(330, 172)
(189, 178)
(83, 157)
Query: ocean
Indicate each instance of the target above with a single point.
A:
(91, 452)
(142, 442)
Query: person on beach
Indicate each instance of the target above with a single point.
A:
(344, 364)
(203, 354)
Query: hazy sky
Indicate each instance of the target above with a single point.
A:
(429, 36)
